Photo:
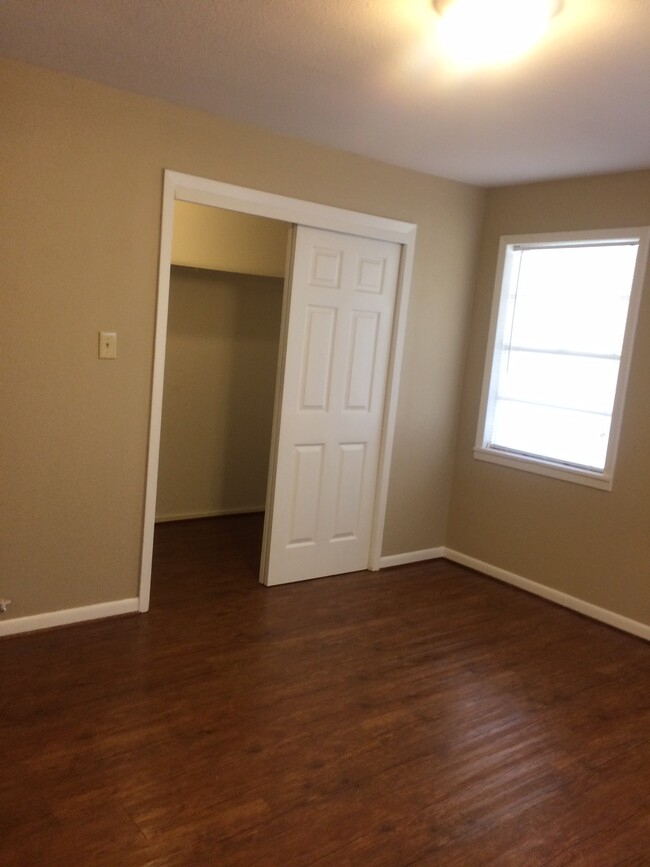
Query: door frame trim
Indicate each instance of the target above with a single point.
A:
(202, 191)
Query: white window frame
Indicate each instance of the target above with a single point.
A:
(558, 470)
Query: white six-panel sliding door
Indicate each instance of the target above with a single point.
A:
(341, 303)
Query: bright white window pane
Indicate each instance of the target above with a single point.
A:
(559, 356)
(555, 434)
(569, 381)
(573, 299)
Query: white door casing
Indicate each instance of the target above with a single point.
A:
(338, 340)
(179, 186)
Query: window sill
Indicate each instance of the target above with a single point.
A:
(590, 478)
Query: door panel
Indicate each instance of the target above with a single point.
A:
(361, 360)
(320, 327)
(342, 295)
(306, 490)
(348, 490)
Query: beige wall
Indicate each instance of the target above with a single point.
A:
(222, 348)
(82, 169)
(228, 241)
(585, 542)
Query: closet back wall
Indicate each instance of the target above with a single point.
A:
(222, 351)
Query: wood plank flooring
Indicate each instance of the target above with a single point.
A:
(424, 715)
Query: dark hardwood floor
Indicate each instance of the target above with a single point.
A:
(424, 715)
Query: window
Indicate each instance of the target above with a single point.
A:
(561, 336)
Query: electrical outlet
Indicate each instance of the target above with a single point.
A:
(3, 605)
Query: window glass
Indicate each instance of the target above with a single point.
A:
(560, 345)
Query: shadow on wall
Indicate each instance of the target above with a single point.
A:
(220, 368)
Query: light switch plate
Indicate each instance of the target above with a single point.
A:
(107, 344)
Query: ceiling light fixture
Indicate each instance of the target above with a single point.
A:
(484, 32)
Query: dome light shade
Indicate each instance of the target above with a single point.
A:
(486, 32)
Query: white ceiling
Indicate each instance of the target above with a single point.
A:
(367, 76)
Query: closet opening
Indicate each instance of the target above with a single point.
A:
(226, 285)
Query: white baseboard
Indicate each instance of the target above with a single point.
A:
(626, 624)
(68, 616)
(411, 557)
(218, 513)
